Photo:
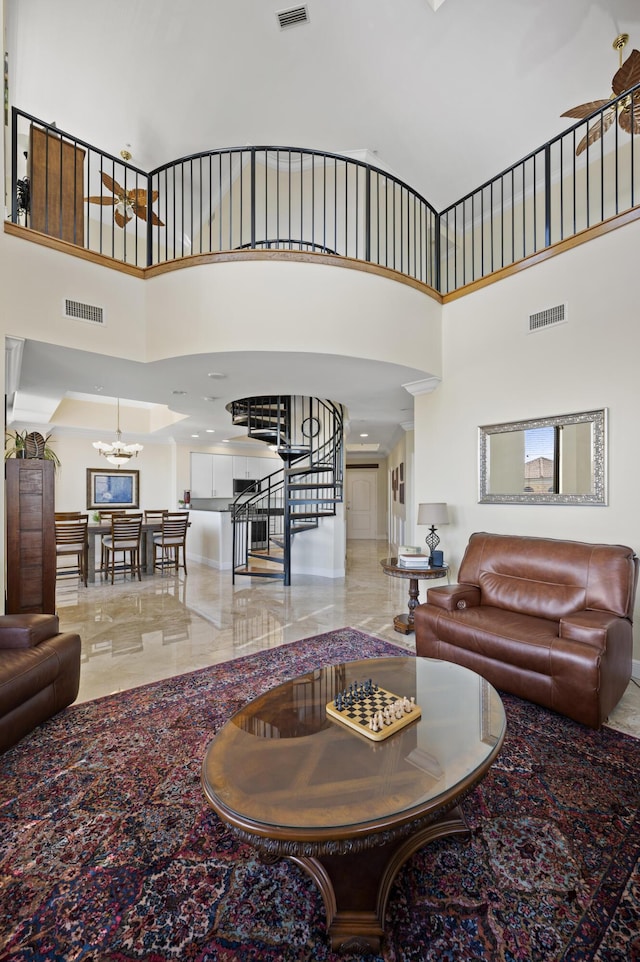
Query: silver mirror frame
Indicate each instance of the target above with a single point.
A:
(599, 456)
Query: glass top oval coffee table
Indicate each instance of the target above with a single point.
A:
(295, 783)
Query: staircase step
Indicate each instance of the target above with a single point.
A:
(294, 501)
(312, 485)
(273, 555)
(308, 469)
(259, 572)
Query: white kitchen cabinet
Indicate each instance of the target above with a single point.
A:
(252, 468)
(211, 475)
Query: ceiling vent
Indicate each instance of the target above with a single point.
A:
(547, 318)
(78, 311)
(292, 17)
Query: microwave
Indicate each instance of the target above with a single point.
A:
(245, 485)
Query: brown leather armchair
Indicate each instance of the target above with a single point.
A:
(39, 673)
(544, 619)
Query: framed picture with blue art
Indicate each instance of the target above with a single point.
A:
(112, 489)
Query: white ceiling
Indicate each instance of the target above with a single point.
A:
(445, 97)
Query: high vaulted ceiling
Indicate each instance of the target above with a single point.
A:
(444, 97)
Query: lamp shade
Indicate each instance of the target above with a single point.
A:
(434, 513)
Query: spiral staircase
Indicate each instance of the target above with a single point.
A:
(308, 435)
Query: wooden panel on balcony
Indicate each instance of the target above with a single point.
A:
(57, 186)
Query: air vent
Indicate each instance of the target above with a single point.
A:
(83, 312)
(292, 17)
(547, 318)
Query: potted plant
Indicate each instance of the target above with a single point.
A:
(15, 444)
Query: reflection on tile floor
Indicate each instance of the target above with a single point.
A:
(136, 632)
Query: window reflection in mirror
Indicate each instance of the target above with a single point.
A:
(558, 460)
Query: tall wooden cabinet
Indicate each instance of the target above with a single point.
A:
(31, 536)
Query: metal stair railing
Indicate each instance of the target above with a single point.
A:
(308, 434)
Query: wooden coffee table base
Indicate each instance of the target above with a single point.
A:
(355, 887)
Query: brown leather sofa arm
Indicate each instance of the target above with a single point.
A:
(27, 631)
(589, 627)
(454, 597)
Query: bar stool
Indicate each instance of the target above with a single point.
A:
(126, 531)
(168, 543)
(154, 515)
(105, 517)
(72, 540)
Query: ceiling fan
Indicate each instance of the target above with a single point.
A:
(627, 110)
(126, 202)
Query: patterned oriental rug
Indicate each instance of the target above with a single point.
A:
(109, 853)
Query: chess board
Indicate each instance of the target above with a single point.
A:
(356, 705)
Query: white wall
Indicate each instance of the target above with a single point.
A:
(493, 371)
(155, 464)
(303, 307)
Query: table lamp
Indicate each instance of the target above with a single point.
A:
(434, 513)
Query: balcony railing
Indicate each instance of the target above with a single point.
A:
(284, 198)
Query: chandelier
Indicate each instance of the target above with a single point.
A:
(118, 452)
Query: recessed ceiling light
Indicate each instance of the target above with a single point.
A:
(225, 440)
(181, 393)
(210, 399)
(364, 435)
(211, 431)
(195, 435)
(216, 374)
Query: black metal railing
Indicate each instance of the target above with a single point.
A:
(308, 434)
(224, 200)
(285, 198)
(551, 194)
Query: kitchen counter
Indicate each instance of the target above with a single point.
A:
(210, 537)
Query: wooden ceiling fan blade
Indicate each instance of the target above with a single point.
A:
(155, 220)
(630, 121)
(599, 128)
(628, 75)
(111, 184)
(583, 110)
(105, 201)
(120, 219)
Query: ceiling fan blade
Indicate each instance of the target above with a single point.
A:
(628, 75)
(111, 184)
(155, 220)
(105, 201)
(599, 128)
(120, 219)
(631, 121)
(583, 110)
(138, 196)
(140, 211)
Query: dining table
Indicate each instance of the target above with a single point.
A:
(96, 530)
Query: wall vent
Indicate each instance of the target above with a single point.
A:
(292, 17)
(78, 311)
(547, 318)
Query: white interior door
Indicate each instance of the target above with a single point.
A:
(362, 503)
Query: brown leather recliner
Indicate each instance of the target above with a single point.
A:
(544, 619)
(39, 673)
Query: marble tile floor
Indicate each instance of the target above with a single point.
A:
(137, 632)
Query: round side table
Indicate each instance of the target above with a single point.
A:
(404, 623)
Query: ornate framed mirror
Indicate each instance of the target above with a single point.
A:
(556, 460)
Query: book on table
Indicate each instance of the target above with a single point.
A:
(413, 561)
(409, 549)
